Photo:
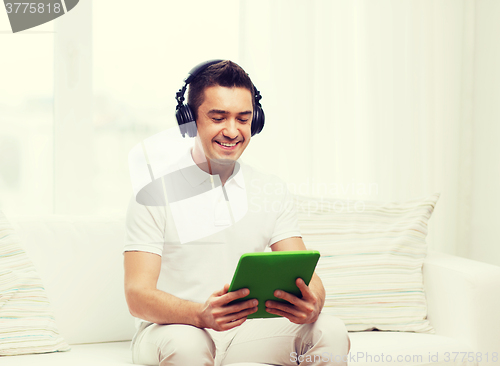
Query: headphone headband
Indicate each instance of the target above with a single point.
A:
(184, 114)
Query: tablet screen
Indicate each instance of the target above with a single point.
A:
(265, 272)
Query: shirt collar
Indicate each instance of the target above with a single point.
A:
(196, 176)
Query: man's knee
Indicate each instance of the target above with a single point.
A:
(185, 344)
(332, 330)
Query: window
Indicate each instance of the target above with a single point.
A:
(80, 92)
(26, 119)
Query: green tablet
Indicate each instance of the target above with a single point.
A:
(265, 272)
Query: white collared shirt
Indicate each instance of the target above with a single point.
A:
(204, 206)
(198, 240)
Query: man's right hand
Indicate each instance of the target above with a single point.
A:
(218, 315)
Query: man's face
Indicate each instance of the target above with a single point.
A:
(224, 122)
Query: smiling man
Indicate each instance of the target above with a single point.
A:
(224, 128)
(178, 289)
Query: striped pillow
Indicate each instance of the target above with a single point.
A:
(27, 324)
(371, 260)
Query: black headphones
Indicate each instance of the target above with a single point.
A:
(185, 116)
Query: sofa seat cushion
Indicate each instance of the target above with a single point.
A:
(411, 348)
(96, 354)
(418, 349)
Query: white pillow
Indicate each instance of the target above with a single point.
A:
(27, 324)
(371, 260)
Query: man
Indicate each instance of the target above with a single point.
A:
(176, 287)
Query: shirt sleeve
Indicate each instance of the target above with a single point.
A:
(144, 228)
(287, 224)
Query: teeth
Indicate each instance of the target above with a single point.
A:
(227, 145)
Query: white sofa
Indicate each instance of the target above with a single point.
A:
(80, 262)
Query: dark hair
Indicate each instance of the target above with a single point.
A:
(224, 73)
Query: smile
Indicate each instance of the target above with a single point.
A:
(227, 146)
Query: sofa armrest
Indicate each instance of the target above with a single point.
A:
(463, 301)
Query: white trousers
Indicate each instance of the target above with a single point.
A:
(274, 341)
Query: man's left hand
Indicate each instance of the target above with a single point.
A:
(299, 310)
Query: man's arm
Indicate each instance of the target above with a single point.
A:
(306, 309)
(145, 301)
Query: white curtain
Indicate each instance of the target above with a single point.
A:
(369, 99)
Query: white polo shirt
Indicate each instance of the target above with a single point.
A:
(215, 230)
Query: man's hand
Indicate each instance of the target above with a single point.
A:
(299, 311)
(218, 315)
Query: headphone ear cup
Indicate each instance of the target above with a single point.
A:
(186, 121)
(257, 120)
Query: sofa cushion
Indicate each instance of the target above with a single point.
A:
(97, 354)
(412, 349)
(407, 348)
(80, 261)
(371, 259)
(27, 323)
